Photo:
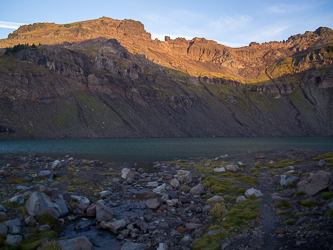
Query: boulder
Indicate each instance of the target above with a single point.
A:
(253, 192)
(233, 168)
(175, 183)
(219, 170)
(45, 174)
(40, 204)
(127, 173)
(17, 199)
(79, 243)
(215, 198)
(104, 214)
(117, 226)
(81, 199)
(192, 226)
(91, 210)
(13, 239)
(62, 207)
(3, 230)
(240, 198)
(288, 179)
(30, 221)
(14, 226)
(184, 176)
(55, 164)
(160, 189)
(197, 190)
(321, 163)
(315, 183)
(260, 156)
(153, 203)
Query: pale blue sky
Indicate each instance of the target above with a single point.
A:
(229, 22)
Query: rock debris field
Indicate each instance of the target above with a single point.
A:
(274, 199)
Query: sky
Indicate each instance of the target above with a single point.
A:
(229, 22)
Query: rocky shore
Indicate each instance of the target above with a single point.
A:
(277, 199)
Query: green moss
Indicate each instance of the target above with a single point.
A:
(329, 213)
(300, 193)
(285, 204)
(210, 242)
(219, 186)
(289, 222)
(307, 203)
(16, 181)
(283, 163)
(323, 157)
(327, 195)
(47, 219)
(218, 210)
(301, 214)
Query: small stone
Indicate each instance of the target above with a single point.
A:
(117, 226)
(17, 199)
(192, 226)
(219, 170)
(162, 246)
(260, 156)
(240, 198)
(184, 176)
(127, 173)
(44, 228)
(46, 174)
(197, 190)
(160, 189)
(175, 183)
(104, 193)
(3, 230)
(321, 163)
(81, 199)
(13, 239)
(280, 230)
(30, 221)
(91, 210)
(233, 168)
(152, 184)
(253, 192)
(216, 198)
(133, 246)
(153, 203)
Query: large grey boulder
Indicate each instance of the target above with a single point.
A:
(40, 204)
(184, 176)
(13, 239)
(153, 203)
(315, 183)
(103, 213)
(197, 190)
(127, 173)
(14, 226)
(288, 179)
(62, 207)
(3, 230)
(79, 243)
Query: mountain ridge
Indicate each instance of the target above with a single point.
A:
(127, 85)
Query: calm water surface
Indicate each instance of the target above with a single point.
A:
(152, 149)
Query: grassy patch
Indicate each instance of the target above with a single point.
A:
(300, 193)
(327, 195)
(51, 245)
(329, 213)
(283, 163)
(307, 203)
(284, 204)
(219, 186)
(210, 242)
(289, 222)
(301, 214)
(47, 219)
(218, 210)
(17, 181)
(323, 157)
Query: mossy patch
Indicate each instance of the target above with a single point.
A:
(327, 195)
(289, 222)
(17, 181)
(284, 204)
(307, 203)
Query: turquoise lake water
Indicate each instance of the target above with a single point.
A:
(153, 149)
